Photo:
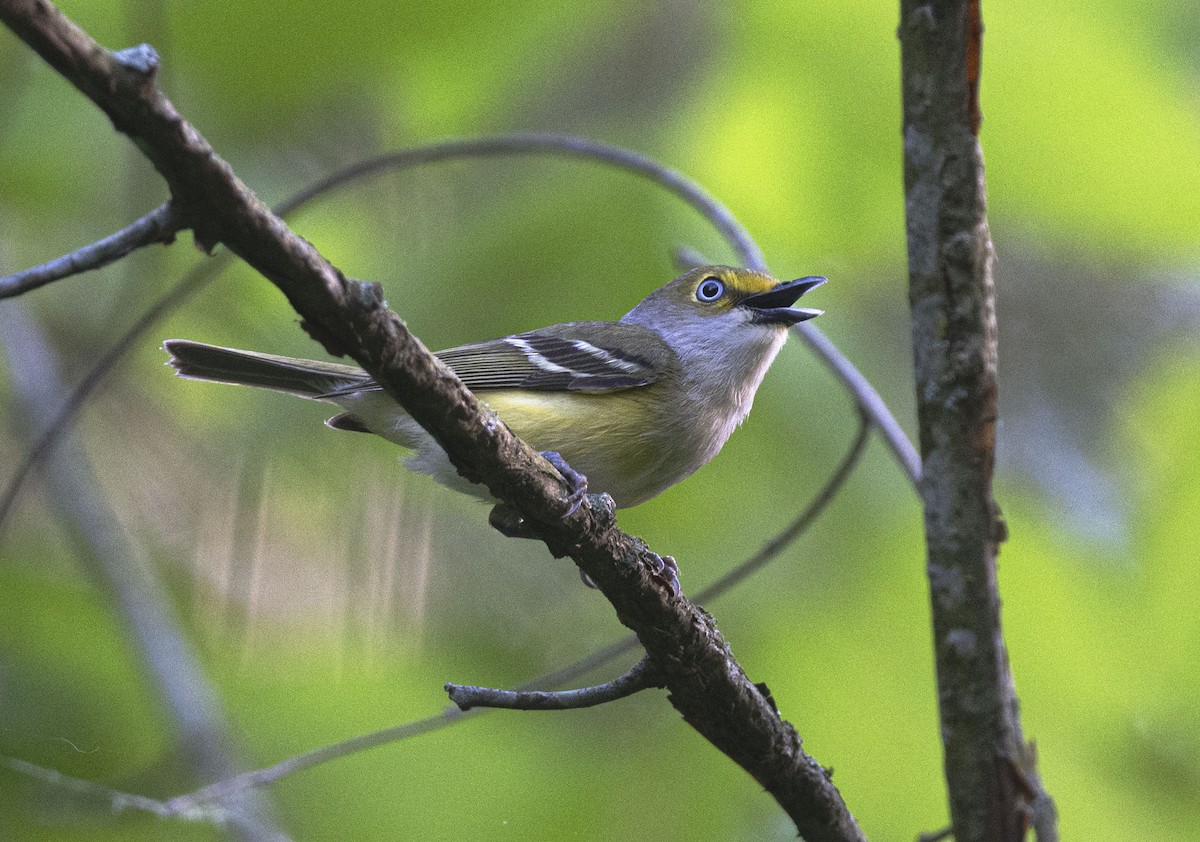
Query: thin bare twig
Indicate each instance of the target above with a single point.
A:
(206, 803)
(159, 226)
(118, 801)
(221, 790)
(640, 676)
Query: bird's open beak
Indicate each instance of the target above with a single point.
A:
(774, 307)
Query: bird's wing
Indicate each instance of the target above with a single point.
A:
(572, 357)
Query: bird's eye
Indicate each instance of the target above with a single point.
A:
(710, 289)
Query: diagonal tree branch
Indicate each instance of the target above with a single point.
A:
(706, 684)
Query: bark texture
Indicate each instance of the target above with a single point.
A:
(952, 296)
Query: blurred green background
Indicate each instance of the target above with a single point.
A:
(327, 593)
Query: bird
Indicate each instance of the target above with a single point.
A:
(634, 406)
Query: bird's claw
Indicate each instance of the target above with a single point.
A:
(576, 482)
(667, 570)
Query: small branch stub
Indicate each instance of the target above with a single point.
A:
(142, 60)
(640, 677)
(158, 226)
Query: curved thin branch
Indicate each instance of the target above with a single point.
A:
(539, 143)
(159, 226)
(640, 676)
(518, 144)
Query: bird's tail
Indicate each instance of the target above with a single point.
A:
(307, 378)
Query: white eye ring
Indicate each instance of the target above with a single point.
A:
(710, 289)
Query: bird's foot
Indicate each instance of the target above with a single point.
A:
(505, 520)
(667, 570)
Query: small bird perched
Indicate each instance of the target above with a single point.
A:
(635, 405)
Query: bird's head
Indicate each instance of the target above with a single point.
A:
(726, 325)
(709, 295)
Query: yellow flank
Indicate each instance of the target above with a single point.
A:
(614, 439)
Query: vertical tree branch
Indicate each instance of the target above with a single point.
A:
(952, 296)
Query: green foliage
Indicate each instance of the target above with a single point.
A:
(351, 595)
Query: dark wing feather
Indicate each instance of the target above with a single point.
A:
(577, 357)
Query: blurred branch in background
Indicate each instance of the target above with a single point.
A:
(994, 789)
(47, 439)
(117, 569)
